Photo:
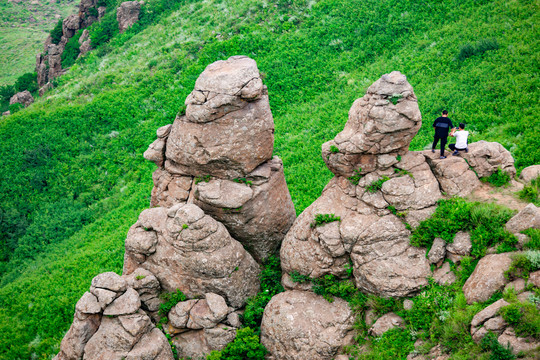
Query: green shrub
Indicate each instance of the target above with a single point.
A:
(523, 317)
(356, 177)
(334, 149)
(6, 92)
(324, 219)
(534, 242)
(102, 31)
(246, 346)
(377, 184)
(531, 191)
(480, 47)
(270, 278)
(13, 108)
(498, 352)
(498, 178)
(523, 264)
(71, 51)
(93, 12)
(56, 33)
(28, 82)
(171, 299)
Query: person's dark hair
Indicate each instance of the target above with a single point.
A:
(461, 125)
(445, 112)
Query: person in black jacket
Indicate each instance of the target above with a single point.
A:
(441, 125)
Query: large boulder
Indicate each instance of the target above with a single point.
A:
(300, 325)
(85, 43)
(219, 156)
(190, 251)
(70, 25)
(527, 218)
(228, 129)
(381, 125)
(24, 97)
(487, 278)
(127, 14)
(529, 173)
(486, 157)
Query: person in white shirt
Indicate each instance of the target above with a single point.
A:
(461, 140)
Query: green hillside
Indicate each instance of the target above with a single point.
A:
(24, 26)
(73, 177)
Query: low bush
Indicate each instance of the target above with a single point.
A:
(531, 192)
(377, 184)
(56, 32)
(534, 242)
(324, 219)
(523, 317)
(71, 51)
(469, 50)
(246, 346)
(498, 352)
(498, 178)
(523, 264)
(104, 30)
(28, 82)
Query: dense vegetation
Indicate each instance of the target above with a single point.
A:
(73, 178)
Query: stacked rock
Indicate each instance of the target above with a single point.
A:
(219, 156)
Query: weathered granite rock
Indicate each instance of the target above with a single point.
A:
(529, 173)
(300, 325)
(487, 277)
(517, 344)
(483, 316)
(70, 25)
(84, 326)
(437, 251)
(527, 218)
(208, 312)
(414, 217)
(453, 174)
(148, 288)
(85, 43)
(24, 97)
(534, 278)
(110, 281)
(444, 276)
(228, 129)
(42, 70)
(518, 285)
(197, 343)
(486, 157)
(127, 14)
(193, 253)
(461, 245)
(258, 212)
(384, 323)
(376, 128)
(88, 304)
(55, 61)
(127, 303)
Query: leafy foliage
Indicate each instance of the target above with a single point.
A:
(171, 299)
(324, 219)
(523, 264)
(523, 317)
(534, 242)
(245, 346)
(101, 32)
(377, 184)
(531, 191)
(356, 176)
(498, 352)
(485, 222)
(56, 32)
(498, 178)
(480, 47)
(28, 82)
(71, 51)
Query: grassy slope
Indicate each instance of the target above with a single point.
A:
(23, 29)
(81, 147)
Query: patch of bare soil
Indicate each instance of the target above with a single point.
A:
(506, 196)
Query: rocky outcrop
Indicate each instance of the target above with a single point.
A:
(529, 173)
(110, 324)
(85, 43)
(380, 127)
(24, 97)
(364, 230)
(527, 218)
(300, 325)
(190, 251)
(219, 156)
(454, 175)
(127, 14)
(487, 277)
(486, 157)
(70, 25)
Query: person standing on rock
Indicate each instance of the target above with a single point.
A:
(441, 125)
(461, 140)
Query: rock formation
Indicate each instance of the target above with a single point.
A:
(127, 14)
(219, 155)
(529, 173)
(24, 97)
(85, 43)
(179, 246)
(488, 277)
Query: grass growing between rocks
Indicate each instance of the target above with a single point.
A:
(80, 147)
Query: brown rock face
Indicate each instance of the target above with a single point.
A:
(376, 127)
(127, 14)
(527, 218)
(23, 97)
(529, 173)
(487, 277)
(384, 323)
(219, 157)
(228, 129)
(454, 175)
(70, 25)
(300, 325)
(486, 157)
(188, 250)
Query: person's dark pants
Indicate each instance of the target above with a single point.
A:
(443, 143)
(454, 148)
